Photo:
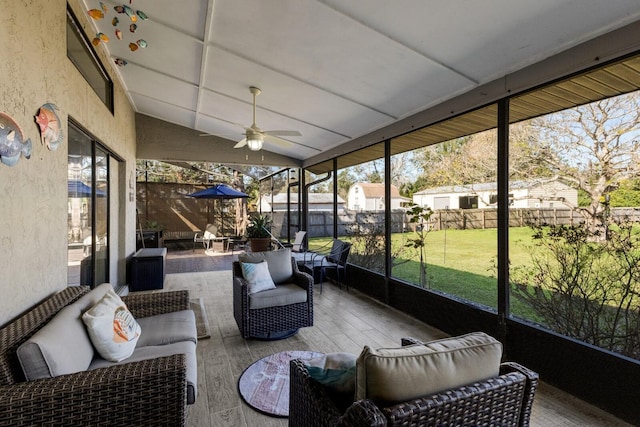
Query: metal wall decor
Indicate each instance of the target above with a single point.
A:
(12, 142)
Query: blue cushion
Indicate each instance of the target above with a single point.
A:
(336, 371)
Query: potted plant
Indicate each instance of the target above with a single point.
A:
(258, 233)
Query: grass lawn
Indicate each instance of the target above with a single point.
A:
(460, 262)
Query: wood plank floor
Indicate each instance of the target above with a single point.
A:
(344, 321)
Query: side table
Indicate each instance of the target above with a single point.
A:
(148, 269)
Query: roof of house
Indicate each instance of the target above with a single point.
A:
(377, 190)
(485, 186)
(314, 198)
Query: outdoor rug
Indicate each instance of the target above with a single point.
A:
(264, 385)
(202, 322)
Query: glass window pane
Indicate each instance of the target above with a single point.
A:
(101, 216)
(320, 209)
(574, 241)
(85, 60)
(361, 214)
(445, 237)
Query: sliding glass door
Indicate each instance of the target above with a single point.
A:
(88, 210)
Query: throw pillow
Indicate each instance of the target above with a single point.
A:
(279, 263)
(391, 375)
(111, 327)
(257, 276)
(336, 371)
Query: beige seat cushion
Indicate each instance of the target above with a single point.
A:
(280, 295)
(391, 375)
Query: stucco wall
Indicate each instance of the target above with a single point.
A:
(33, 209)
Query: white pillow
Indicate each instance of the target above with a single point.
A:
(257, 276)
(112, 329)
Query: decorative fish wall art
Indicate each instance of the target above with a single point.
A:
(12, 142)
(51, 133)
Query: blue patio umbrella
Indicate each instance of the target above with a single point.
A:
(221, 192)
(218, 191)
(78, 189)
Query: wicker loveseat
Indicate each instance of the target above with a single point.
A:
(503, 400)
(144, 392)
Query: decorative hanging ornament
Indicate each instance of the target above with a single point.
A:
(119, 9)
(120, 62)
(142, 15)
(103, 37)
(115, 21)
(118, 34)
(128, 11)
(142, 43)
(133, 28)
(133, 47)
(96, 14)
(103, 7)
(96, 41)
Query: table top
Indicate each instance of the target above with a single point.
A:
(150, 252)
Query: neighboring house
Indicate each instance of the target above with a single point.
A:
(317, 202)
(365, 196)
(522, 194)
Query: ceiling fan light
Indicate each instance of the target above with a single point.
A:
(254, 143)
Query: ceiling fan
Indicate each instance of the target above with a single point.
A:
(254, 136)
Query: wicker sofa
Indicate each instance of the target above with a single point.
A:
(503, 400)
(152, 391)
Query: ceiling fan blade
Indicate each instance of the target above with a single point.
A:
(241, 143)
(283, 132)
(279, 141)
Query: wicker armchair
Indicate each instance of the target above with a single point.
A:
(271, 322)
(505, 400)
(148, 392)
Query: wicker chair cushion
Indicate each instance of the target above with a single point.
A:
(281, 295)
(152, 352)
(168, 328)
(279, 263)
(62, 346)
(112, 328)
(257, 276)
(399, 374)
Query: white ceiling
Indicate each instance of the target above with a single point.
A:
(333, 69)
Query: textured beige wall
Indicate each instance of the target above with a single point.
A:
(33, 194)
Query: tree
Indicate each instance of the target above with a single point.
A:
(420, 216)
(473, 159)
(593, 147)
(584, 289)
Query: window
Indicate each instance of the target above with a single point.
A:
(579, 222)
(81, 53)
(455, 249)
(468, 202)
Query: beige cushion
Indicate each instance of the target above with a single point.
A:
(62, 346)
(391, 375)
(279, 263)
(168, 328)
(112, 329)
(280, 295)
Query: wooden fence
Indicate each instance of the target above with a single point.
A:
(320, 223)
